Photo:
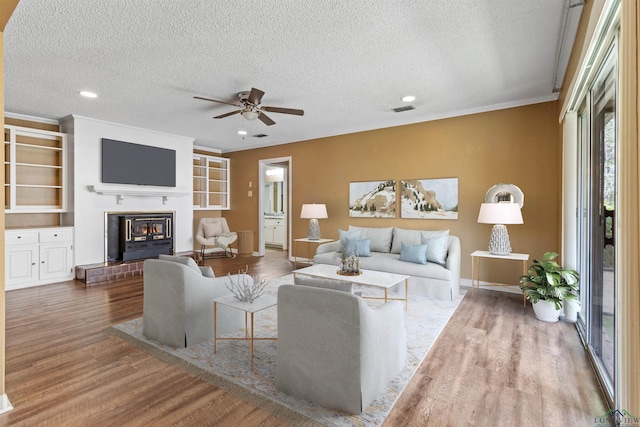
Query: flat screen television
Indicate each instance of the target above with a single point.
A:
(128, 163)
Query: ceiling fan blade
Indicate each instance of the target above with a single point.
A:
(266, 119)
(283, 110)
(255, 96)
(222, 116)
(216, 100)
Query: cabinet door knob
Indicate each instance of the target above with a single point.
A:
(33, 263)
(55, 235)
(41, 262)
(19, 237)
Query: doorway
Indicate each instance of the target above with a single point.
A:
(274, 204)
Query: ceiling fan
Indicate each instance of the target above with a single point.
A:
(250, 108)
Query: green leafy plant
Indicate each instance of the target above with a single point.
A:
(546, 280)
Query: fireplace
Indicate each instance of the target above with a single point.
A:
(133, 236)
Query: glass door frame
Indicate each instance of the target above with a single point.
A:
(589, 212)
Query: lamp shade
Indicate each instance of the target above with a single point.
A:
(318, 211)
(500, 213)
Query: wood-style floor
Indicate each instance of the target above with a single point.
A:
(494, 364)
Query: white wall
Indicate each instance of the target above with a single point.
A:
(88, 208)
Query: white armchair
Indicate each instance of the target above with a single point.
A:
(178, 302)
(214, 232)
(335, 350)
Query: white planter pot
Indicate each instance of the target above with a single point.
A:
(546, 311)
(571, 310)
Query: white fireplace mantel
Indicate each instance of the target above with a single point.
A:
(122, 191)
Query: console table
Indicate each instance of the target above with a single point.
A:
(475, 268)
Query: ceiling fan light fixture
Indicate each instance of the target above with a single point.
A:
(250, 114)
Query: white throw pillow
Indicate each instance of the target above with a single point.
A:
(212, 229)
(437, 245)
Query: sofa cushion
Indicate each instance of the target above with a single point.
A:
(380, 237)
(413, 253)
(437, 244)
(410, 237)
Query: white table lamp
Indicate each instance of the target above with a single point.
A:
(500, 214)
(313, 212)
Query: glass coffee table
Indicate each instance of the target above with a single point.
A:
(375, 279)
(250, 309)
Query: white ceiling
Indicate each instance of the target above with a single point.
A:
(346, 63)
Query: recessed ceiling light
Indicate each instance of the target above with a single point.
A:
(88, 94)
(408, 98)
(242, 132)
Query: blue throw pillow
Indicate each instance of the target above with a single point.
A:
(363, 247)
(344, 235)
(414, 253)
(358, 247)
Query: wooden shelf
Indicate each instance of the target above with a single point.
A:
(210, 182)
(35, 170)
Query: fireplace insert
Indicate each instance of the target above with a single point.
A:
(139, 236)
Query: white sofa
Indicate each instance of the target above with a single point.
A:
(434, 280)
(335, 350)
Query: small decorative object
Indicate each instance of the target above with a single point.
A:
(246, 288)
(349, 263)
(549, 286)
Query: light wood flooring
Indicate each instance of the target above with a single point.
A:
(493, 365)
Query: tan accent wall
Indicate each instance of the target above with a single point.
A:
(516, 145)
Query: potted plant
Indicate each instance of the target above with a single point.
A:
(547, 286)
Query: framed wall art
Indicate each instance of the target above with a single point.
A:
(372, 199)
(429, 198)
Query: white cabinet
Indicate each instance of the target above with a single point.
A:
(274, 231)
(37, 256)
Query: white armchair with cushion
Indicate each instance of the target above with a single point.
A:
(215, 233)
(336, 351)
(178, 302)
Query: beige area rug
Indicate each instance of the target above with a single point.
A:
(229, 369)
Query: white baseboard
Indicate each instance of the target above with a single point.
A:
(5, 405)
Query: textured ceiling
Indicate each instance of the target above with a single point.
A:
(345, 63)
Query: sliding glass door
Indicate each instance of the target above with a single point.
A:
(596, 220)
